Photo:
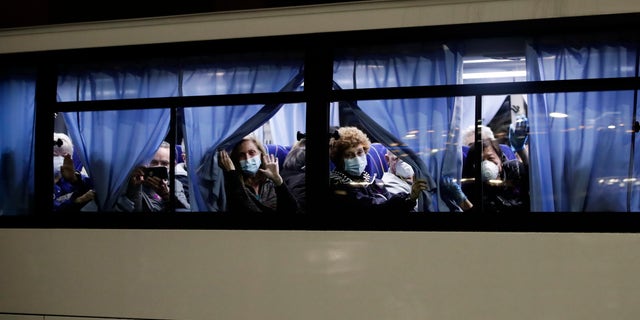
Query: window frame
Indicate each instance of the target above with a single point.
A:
(318, 95)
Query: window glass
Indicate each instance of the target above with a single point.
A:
(413, 64)
(238, 74)
(582, 151)
(118, 80)
(208, 130)
(422, 132)
(494, 60)
(17, 160)
(569, 57)
(191, 76)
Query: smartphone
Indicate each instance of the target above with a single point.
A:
(160, 172)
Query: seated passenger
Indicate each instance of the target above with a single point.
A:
(72, 190)
(252, 180)
(352, 189)
(146, 193)
(505, 183)
(399, 176)
(293, 172)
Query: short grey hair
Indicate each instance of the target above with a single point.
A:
(468, 137)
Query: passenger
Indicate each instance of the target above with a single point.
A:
(352, 189)
(399, 176)
(505, 182)
(293, 172)
(146, 193)
(72, 190)
(252, 180)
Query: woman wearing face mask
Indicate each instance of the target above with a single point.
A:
(505, 183)
(352, 189)
(252, 180)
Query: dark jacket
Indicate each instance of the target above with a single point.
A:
(364, 195)
(271, 198)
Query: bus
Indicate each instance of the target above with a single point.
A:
(556, 95)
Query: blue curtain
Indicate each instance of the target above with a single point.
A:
(17, 114)
(584, 161)
(427, 130)
(285, 123)
(111, 143)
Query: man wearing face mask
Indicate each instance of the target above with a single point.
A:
(399, 176)
(252, 180)
(72, 190)
(351, 187)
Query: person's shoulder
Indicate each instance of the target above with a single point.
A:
(513, 164)
(515, 169)
(386, 178)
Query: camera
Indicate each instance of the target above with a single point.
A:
(160, 172)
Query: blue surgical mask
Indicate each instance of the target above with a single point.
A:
(355, 166)
(251, 165)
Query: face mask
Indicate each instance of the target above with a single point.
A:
(403, 170)
(355, 166)
(57, 163)
(251, 165)
(489, 170)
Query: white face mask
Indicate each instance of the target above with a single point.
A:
(490, 170)
(57, 163)
(355, 166)
(404, 170)
(251, 165)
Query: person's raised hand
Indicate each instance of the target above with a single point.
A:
(271, 170)
(417, 187)
(519, 133)
(159, 186)
(68, 170)
(224, 161)
(137, 176)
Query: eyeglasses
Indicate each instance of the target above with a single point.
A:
(163, 163)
